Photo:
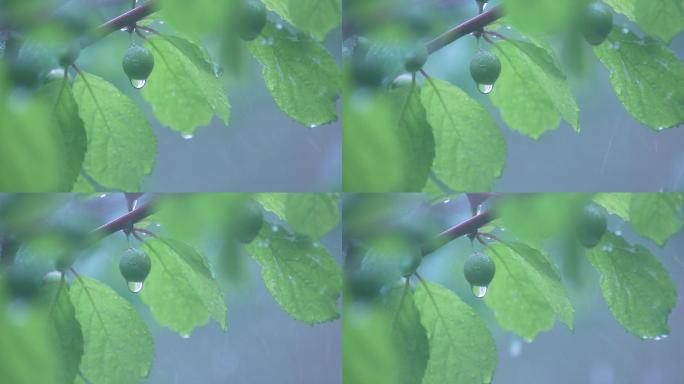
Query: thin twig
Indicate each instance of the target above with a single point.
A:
(475, 24)
(463, 229)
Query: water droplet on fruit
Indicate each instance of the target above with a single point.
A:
(135, 286)
(313, 126)
(185, 336)
(187, 136)
(479, 291)
(138, 84)
(485, 89)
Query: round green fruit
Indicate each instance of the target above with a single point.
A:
(138, 62)
(411, 261)
(485, 68)
(367, 71)
(598, 22)
(479, 270)
(248, 221)
(69, 53)
(135, 265)
(23, 280)
(416, 58)
(592, 226)
(252, 20)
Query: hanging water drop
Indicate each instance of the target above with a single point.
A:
(485, 89)
(135, 286)
(187, 136)
(479, 291)
(138, 84)
(185, 336)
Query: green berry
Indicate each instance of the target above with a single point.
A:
(598, 22)
(138, 62)
(592, 226)
(416, 58)
(69, 53)
(363, 284)
(135, 265)
(249, 219)
(252, 20)
(367, 71)
(24, 280)
(485, 68)
(479, 270)
(411, 261)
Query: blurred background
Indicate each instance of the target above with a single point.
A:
(262, 343)
(599, 350)
(262, 149)
(613, 152)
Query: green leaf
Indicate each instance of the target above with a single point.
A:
(541, 16)
(118, 345)
(311, 214)
(645, 75)
(415, 136)
(66, 119)
(121, 145)
(388, 143)
(657, 216)
(637, 288)
(27, 352)
(42, 141)
(409, 335)
(470, 150)
(461, 348)
(526, 294)
(662, 18)
(532, 92)
(180, 289)
(66, 331)
(183, 89)
(300, 274)
(317, 17)
(369, 355)
(538, 217)
(301, 75)
(203, 17)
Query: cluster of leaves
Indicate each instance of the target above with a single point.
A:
(78, 328)
(410, 330)
(436, 135)
(61, 133)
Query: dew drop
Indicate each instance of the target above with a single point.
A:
(485, 89)
(625, 31)
(313, 126)
(279, 26)
(138, 84)
(484, 7)
(187, 136)
(135, 286)
(479, 291)
(102, 196)
(185, 336)
(275, 228)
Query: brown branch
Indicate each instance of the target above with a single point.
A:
(475, 24)
(127, 19)
(465, 228)
(124, 222)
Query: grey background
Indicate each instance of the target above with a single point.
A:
(599, 351)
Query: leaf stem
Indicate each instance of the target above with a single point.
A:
(474, 24)
(124, 221)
